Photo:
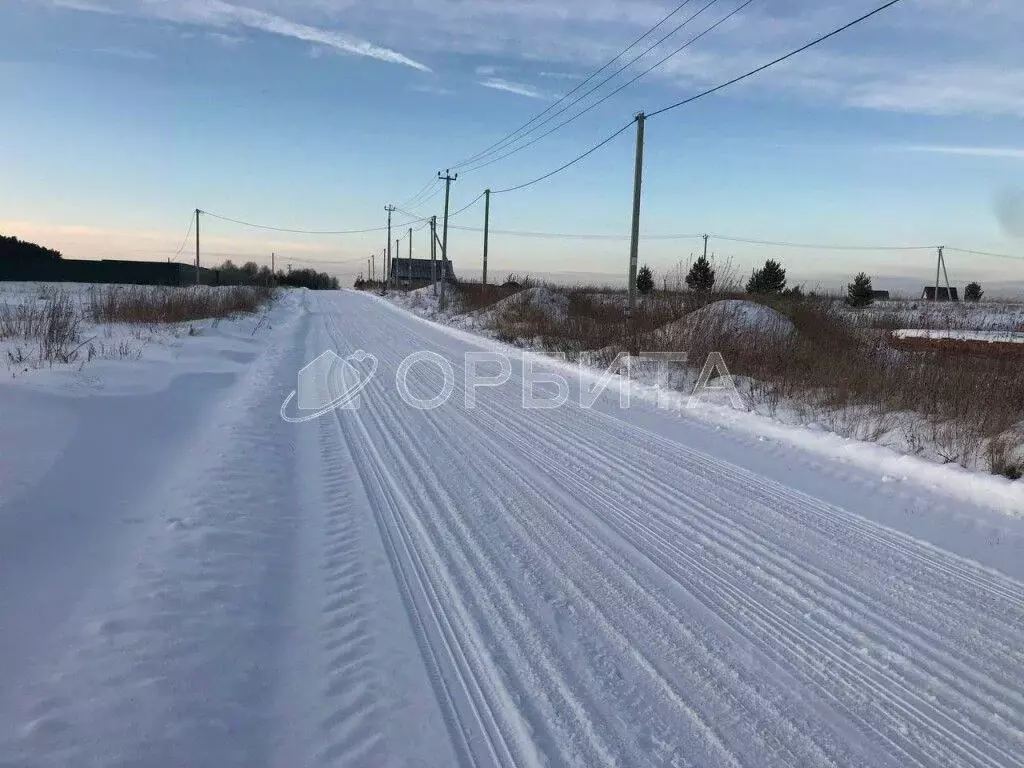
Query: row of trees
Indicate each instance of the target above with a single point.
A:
(12, 248)
(252, 273)
(770, 280)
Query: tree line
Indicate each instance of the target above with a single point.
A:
(770, 280)
(250, 272)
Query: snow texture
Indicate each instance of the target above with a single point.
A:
(189, 580)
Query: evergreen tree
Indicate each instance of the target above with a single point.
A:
(973, 292)
(645, 280)
(771, 278)
(701, 277)
(859, 292)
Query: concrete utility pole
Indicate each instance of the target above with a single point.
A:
(373, 266)
(197, 245)
(367, 269)
(487, 226)
(410, 258)
(706, 247)
(448, 179)
(634, 238)
(387, 259)
(433, 253)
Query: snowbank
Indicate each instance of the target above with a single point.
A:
(730, 315)
(1004, 337)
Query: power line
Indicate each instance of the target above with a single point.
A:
(566, 95)
(571, 163)
(309, 231)
(972, 252)
(184, 242)
(412, 200)
(469, 205)
(612, 76)
(823, 247)
(575, 235)
(779, 60)
(708, 92)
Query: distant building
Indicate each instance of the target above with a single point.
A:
(945, 294)
(880, 295)
(422, 272)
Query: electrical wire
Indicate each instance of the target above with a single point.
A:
(308, 231)
(571, 163)
(779, 60)
(566, 95)
(707, 92)
(574, 235)
(622, 87)
(184, 242)
(823, 247)
(972, 252)
(411, 202)
(604, 82)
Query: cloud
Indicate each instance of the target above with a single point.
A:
(435, 90)
(127, 53)
(219, 14)
(517, 88)
(1013, 153)
(228, 41)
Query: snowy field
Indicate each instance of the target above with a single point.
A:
(901, 431)
(188, 580)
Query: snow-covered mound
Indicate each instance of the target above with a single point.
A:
(552, 302)
(730, 315)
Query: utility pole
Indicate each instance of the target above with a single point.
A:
(273, 270)
(634, 238)
(938, 266)
(410, 258)
(448, 179)
(487, 226)
(705, 247)
(433, 253)
(373, 266)
(367, 269)
(197, 245)
(387, 259)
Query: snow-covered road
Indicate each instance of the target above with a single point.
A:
(208, 585)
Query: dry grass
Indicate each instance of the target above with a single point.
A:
(53, 323)
(963, 406)
(148, 305)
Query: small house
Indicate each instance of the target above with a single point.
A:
(945, 294)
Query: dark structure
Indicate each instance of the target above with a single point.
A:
(879, 295)
(421, 270)
(106, 271)
(945, 294)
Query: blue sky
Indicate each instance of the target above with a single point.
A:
(121, 116)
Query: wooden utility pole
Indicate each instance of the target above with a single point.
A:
(433, 253)
(487, 226)
(448, 179)
(387, 258)
(373, 266)
(634, 237)
(367, 269)
(410, 258)
(197, 245)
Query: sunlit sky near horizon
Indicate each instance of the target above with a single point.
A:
(122, 116)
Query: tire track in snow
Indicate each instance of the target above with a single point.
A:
(962, 567)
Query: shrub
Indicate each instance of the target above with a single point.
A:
(771, 278)
(701, 277)
(973, 292)
(645, 280)
(859, 293)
